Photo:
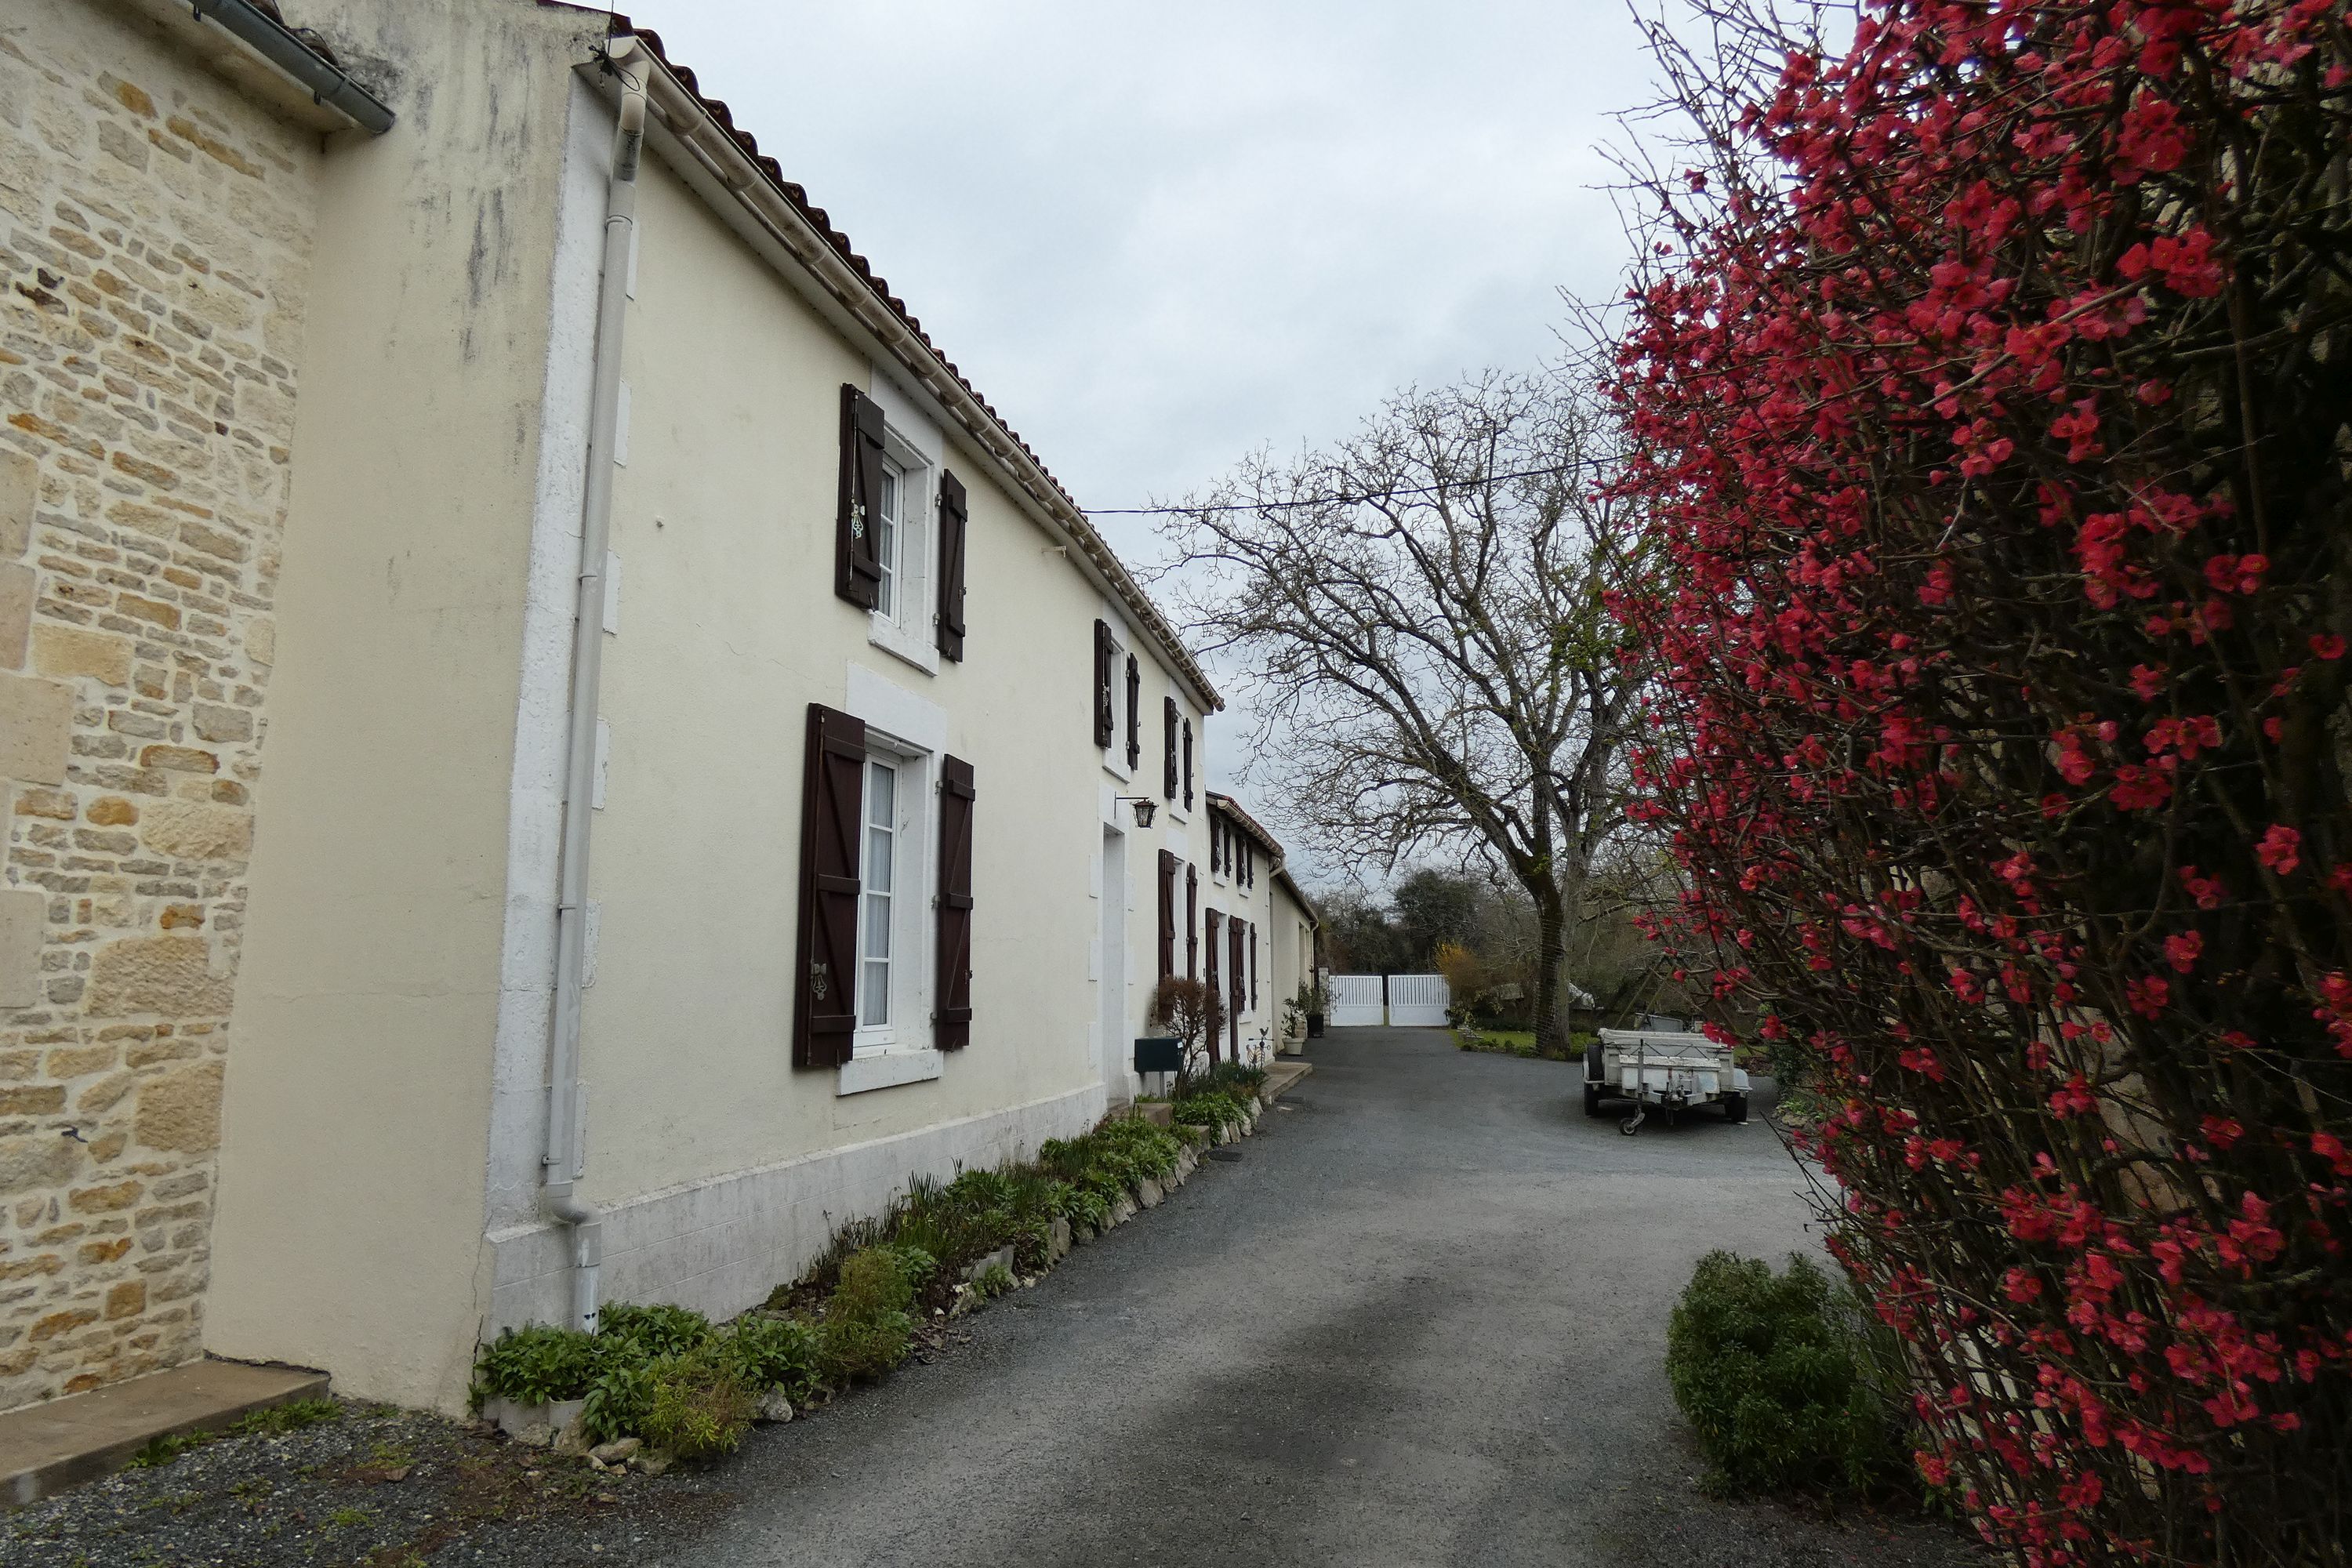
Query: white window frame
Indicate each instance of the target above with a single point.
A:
(914, 855)
(907, 629)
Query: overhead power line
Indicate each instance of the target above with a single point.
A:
(1344, 499)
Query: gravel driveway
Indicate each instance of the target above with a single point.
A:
(1419, 1321)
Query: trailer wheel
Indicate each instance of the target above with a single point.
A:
(1591, 1099)
(1735, 1109)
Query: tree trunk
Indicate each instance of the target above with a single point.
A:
(1551, 957)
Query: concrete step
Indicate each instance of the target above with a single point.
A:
(1282, 1076)
(61, 1443)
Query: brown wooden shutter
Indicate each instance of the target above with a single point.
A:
(856, 573)
(1253, 931)
(825, 1009)
(1106, 663)
(1209, 976)
(1191, 922)
(1166, 914)
(1168, 786)
(1134, 713)
(1238, 983)
(951, 1023)
(1188, 765)
(953, 525)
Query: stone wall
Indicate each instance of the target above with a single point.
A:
(155, 241)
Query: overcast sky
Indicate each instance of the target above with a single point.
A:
(1158, 238)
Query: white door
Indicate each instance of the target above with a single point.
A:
(1110, 969)
(1418, 1001)
(1356, 1002)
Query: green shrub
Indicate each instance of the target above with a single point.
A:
(775, 1353)
(1088, 1207)
(618, 1402)
(653, 1331)
(699, 1407)
(993, 1280)
(1210, 1110)
(1234, 1078)
(1774, 1373)
(864, 1348)
(916, 1265)
(536, 1364)
(1033, 1243)
(873, 1282)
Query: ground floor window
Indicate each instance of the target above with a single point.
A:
(891, 876)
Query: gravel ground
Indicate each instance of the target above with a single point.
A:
(1420, 1322)
(380, 1487)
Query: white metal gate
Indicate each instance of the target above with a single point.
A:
(1355, 1001)
(1405, 1001)
(1418, 1001)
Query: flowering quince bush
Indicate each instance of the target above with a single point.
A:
(1988, 386)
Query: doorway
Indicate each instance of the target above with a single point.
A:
(1111, 967)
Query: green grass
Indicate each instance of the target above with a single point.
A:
(270, 1421)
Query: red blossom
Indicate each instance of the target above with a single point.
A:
(1991, 522)
(2280, 847)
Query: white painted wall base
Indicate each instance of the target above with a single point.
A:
(720, 1246)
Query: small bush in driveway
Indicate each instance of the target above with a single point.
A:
(1774, 1373)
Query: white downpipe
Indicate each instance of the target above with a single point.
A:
(564, 1156)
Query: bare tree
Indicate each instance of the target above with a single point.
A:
(1416, 620)
(1193, 1012)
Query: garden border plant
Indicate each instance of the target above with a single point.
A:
(689, 1388)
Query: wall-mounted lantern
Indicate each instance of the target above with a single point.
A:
(1144, 807)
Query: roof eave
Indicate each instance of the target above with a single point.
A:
(730, 158)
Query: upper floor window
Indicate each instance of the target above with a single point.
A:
(887, 538)
(889, 480)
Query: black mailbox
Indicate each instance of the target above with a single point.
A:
(1159, 1052)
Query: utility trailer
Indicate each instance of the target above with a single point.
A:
(1672, 1070)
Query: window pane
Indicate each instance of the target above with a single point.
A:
(885, 542)
(878, 925)
(876, 1006)
(877, 861)
(881, 794)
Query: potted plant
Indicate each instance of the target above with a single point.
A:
(1315, 1002)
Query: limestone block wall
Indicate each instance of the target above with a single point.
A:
(154, 242)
